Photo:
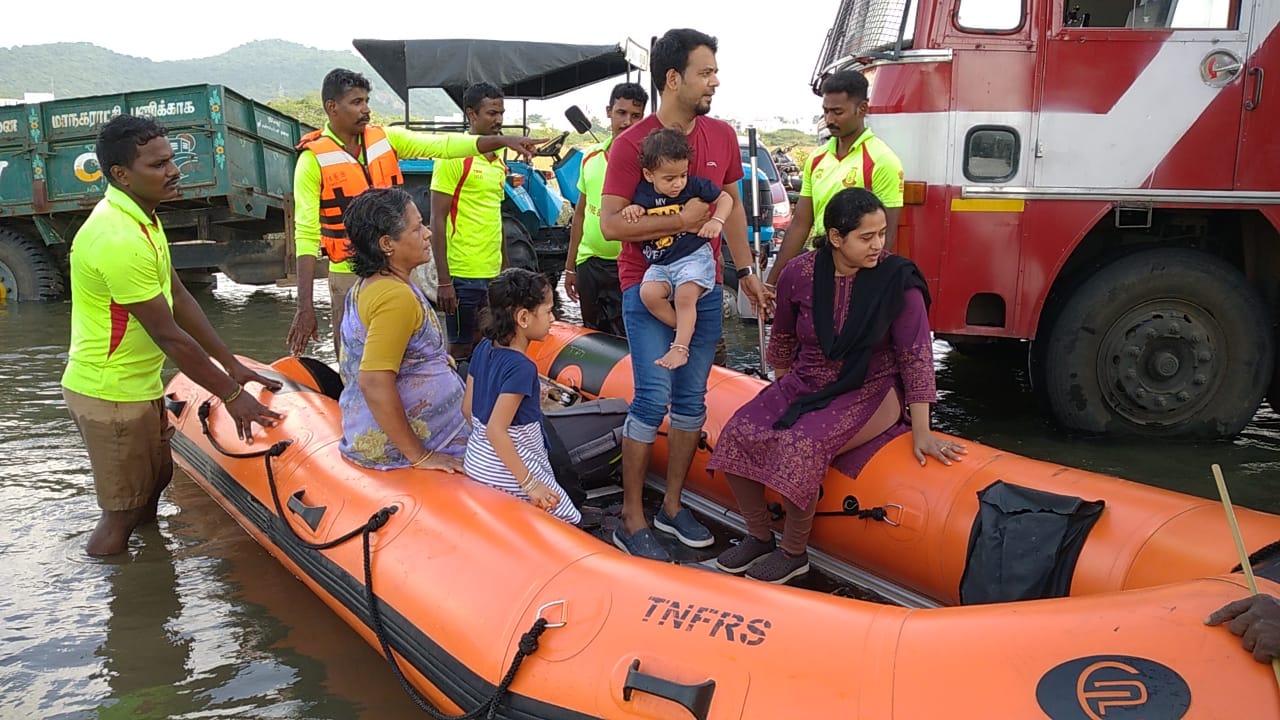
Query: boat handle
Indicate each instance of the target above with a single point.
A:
(311, 515)
(694, 698)
(1256, 100)
(890, 521)
(564, 613)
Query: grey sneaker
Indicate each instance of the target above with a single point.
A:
(685, 527)
(778, 567)
(747, 552)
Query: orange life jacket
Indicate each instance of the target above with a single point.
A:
(342, 177)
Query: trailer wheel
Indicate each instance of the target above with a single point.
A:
(1166, 343)
(28, 270)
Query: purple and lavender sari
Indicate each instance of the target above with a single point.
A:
(429, 387)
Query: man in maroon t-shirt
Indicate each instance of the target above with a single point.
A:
(683, 62)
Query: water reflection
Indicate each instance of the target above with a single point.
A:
(143, 660)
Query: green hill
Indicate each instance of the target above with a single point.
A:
(266, 70)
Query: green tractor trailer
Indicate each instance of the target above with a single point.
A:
(236, 157)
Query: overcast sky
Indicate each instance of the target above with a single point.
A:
(766, 55)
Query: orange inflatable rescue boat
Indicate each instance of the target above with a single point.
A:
(490, 606)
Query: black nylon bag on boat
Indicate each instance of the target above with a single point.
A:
(1024, 544)
(586, 442)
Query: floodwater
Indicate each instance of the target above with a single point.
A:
(199, 622)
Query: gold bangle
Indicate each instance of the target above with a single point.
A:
(228, 399)
(424, 458)
(526, 485)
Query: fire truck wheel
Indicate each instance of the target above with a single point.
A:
(1167, 343)
(28, 272)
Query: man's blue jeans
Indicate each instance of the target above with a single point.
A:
(682, 391)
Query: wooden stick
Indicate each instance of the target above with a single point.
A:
(1244, 555)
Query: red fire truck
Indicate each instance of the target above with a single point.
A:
(1100, 177)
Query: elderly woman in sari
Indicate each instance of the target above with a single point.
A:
(402, 400)
(853, 359)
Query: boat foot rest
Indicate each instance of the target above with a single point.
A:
(309, 514)
(694, 698)
(174, 405)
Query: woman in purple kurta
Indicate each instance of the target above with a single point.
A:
(817, 413)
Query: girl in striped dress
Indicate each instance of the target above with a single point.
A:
(507, 448)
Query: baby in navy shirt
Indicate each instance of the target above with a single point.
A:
(681, 265)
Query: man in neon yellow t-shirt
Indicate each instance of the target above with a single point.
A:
(466, 223)
(591, 266)
(322, 186)
(854, 157)
(128, 311)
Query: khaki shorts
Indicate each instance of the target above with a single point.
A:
(339, 285)
(128, 445)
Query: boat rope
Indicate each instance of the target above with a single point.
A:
(875, 513)
(487, 709)
(377, 520)
(849, 507)
(528, 642)
(754, 372)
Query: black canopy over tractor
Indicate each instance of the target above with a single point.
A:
(524, 70)
(532, 213)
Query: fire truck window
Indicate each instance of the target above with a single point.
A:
(989, 15)
(991, 154)
(1148, 14)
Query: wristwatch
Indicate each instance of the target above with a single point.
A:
(743, 272)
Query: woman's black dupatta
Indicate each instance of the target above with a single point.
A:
(874, 303)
